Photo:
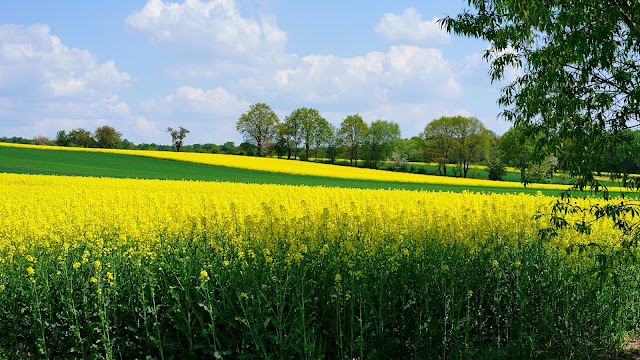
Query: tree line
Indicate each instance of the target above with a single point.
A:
(453, 143)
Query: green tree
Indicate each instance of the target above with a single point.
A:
(495, 169)
(323, 133)
(517, 150)
(81, 137)
(107, 137)
(177, 136)
(258, 126)
(439, 143)
(581, 65)
(291, 134)
(62, 139)
(306, 122)
(332, 144)
(378, 141)
(471, 141)
(351, 131)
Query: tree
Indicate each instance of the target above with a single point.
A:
(332, 143)
(581, 65)
(81, 137)
(107, 137)
(351, 130)
(323, 133)
(471, 141)
(439, 142)
(379, 140)
(304, 125)
(517, 149)
(495, 169)
(258, 126)
(177, 136)
(40, 140)
(580, 89)
(62, 139)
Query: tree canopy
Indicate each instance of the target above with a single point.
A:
(177, 136)
(378, 141)
(107, 137)
(351, 131)
(580, 63)
(258, 126)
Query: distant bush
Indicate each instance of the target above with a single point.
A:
(496, 169)
(40, 140)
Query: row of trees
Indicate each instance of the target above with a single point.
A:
(304, 133)
(105, 137)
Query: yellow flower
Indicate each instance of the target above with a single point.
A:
(30, 271)
(204, 274)
(76, 265)
(93, 280)
(225, 263)
(445, 267)
(338, 278)
(244, 295)
(469, 294)
(495, 263)
(517, 263)
(99, 291)
(2, 287)
(109, 275)
(97, 264)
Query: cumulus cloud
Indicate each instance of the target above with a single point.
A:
(210, 115)
(189, 99)
(410, 28)
(33, 62)
(403, 72)
(46, 86)
(208, 29)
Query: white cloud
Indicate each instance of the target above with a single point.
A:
(208, 30)
(188, 99)
(403, 72)
(210, 115)
(410, 28)
(46, 86)
(35, 63)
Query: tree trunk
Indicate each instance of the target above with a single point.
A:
(522, 174)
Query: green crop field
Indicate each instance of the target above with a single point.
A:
(80, 163)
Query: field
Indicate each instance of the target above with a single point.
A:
(132, 268)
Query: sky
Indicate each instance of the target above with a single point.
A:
(143, 66)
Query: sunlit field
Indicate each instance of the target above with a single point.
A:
(123, 268)
(309, 168)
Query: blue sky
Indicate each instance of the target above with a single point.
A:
(142, 66)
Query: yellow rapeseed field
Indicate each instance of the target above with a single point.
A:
(59, 212)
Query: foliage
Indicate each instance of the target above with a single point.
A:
(398, 163)
(107, 137)
(378, 141)
(81, 137)
(177, 136)
(580, 88)
(258, 126)
(518, 149)
(266, 271)
(542, 172)
(495, 168)
(40, 140)
(471, 141)
(455, 137)
(351, 132)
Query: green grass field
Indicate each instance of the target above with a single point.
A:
(79, 163)
(49, 161)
